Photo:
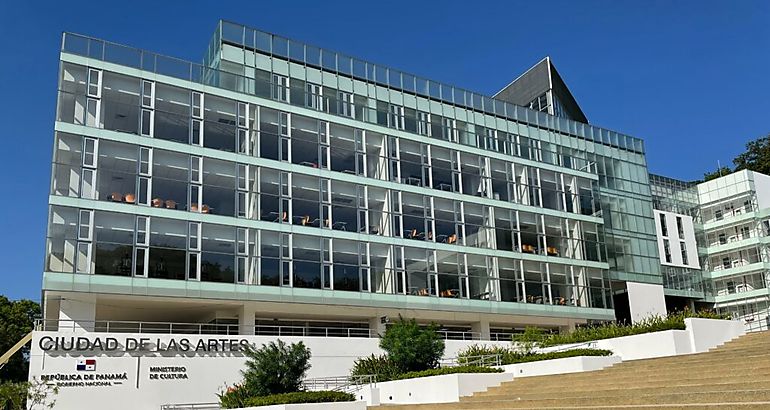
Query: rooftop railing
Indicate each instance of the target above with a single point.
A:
(174, 67)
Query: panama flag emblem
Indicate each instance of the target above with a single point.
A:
(87, 365)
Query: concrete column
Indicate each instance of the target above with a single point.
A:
(246, 318)
(482, 328)
(567, 328)
(376, 326)
(77, 314)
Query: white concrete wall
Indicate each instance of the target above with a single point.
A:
(762, 187)
(438, 389)
(561, 366)
(706, 334)
(674, 240)
(207, 372)
(645, 300)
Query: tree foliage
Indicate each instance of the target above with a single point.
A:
(24, 395)
(411, 347)
(755, 158)
(16, 320)
(276, 368)
(720, 172)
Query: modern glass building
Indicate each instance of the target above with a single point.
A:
(279, 185)
(730, 220)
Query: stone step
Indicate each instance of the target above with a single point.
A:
(567, 391)
(757, 405)
(599, 399)
(683, 379)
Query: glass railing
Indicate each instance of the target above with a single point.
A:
(185, 70)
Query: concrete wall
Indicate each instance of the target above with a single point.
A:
(205, 372)
(645, 300)
(438, 389)
(561, 366)
(674, 239)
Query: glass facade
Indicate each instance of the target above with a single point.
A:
(324, 172)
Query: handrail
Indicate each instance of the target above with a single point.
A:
(125, 326)
(478, 360)
(7, 355)
(191, 406)
(339, 383)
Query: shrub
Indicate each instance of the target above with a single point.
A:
(234, 397)
(529, 340)
(324, 396)
(448, 370)
(674, 321)
(381, 366)
(275, 368)
(412, 348)
(512, 356)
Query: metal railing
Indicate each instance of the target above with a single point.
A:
(191, 406)
(113, 326)
(346, 384)
(757, 325)
(480, 360)
(128, 326)
(98, 49)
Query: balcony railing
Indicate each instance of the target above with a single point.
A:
(122, 326)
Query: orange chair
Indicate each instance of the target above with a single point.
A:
(452, 238)
(157, 202)
(130, 199)
(194, 207)
(205, 209)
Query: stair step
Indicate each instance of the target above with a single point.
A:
(566, 392)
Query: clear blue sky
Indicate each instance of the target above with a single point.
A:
(689, 77)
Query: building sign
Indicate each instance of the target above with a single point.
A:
(85, 376)
(168, 373)
(139, 344)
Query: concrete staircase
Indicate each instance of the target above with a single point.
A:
(733, 376)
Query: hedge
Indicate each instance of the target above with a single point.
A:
(323, 396)
(448, 370)
(511, 356)
(674, 321)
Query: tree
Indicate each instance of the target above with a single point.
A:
(276, 368)
(27, 395)
(411, 347)
(720, 172)
(17, 318)
(757, 156)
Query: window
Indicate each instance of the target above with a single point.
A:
(94, 83)
(663, 227)
(314, 97)
(346, 107)
(680, 227)
(280, 89)
(396, 116)
(718, 215)
(667, 250)
(148, 94)
(683, 249)
(423, 123)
